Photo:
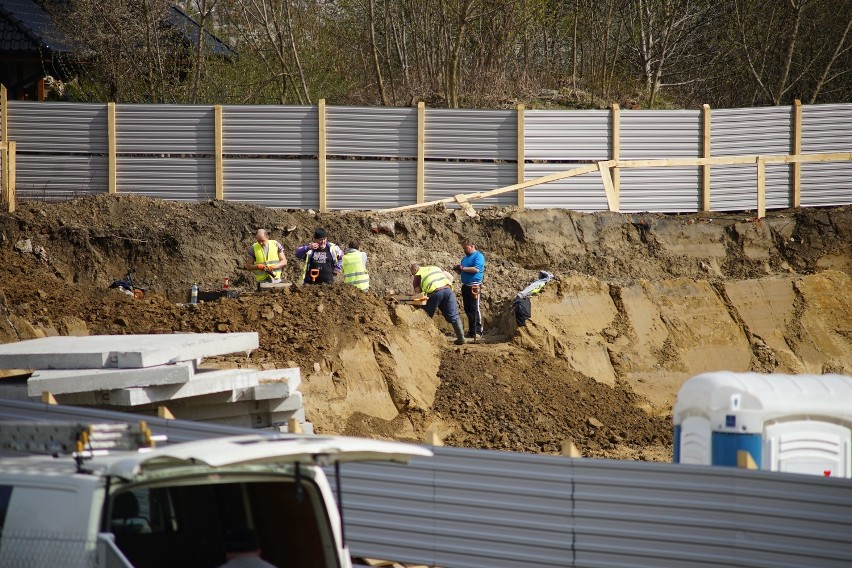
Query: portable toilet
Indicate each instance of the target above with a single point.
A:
(792, 423)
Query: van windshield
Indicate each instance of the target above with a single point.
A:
(185, 524)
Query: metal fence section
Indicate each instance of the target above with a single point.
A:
(650, 134)
(58, 127)
(166, 130)
(826, 128)
(751, 131)
(285, 184)
(60, 177)
(371, 184)
(553, 135)
(580, 193)
(446, 179)
(270, 130)
(372, 132)
(455, 134)
(179, 179)
(477, 508)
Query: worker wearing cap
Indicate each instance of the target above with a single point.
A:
(471, 269)
(266, 258)
(437, 286)
(355, 266)
(323, 259)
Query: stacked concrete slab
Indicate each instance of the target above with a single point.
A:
(159, 374)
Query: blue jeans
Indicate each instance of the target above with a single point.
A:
(444, 300)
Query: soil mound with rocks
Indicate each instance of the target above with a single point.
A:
(639, 304)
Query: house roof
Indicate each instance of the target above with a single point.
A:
(26, 28)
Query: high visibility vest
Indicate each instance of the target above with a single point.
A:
(270, 258)
(336, 253)
(432, 278)
(354, 270)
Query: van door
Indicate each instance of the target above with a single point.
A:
(810, 447)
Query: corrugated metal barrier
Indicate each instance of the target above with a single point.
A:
(487, 509)
(273, 155)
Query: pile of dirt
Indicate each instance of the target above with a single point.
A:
(639, 304)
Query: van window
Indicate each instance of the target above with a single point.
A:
(5, 496)
(184, 525)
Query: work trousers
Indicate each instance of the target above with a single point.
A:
(444, 300)
(471, 310)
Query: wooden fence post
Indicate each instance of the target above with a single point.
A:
(421, 152)
(321, 154)
(13, 169)
(521, 156)
(761, 187)
(706, 152)
(616, 155)
(217, 152)
(4, 114)
(796, 168)
(112, 184)
(4, 176)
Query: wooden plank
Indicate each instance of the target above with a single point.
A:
(796, 169)
(12, 177)
(465, 205)
(745, 460)
(611, 199)
(421, 152)
(706, 132)
(761, 188)
(111, 150)
(321, 155)
(217, 152)
(521, 156)
(514, 187)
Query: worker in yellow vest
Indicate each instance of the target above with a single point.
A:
(438, 287)
(266, 258)
(355, 266)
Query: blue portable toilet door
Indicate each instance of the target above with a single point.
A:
(809, 446)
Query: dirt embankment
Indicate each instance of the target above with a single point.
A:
(639, 304)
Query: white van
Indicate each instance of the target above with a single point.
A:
(171, 506)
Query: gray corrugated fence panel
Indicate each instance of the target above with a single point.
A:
(175, 430)
(284, 184)
(580, 193)
(270, 129)
(657, 134)
(630, 514)
(465, 134)
(477, 508)
(446, 179)
(368, 131)
(462, 508)
(164, 129)
(58, 127)
(668, 189)
(370, 184)
(567, 135)
(826, 128)
(750, 131)
(176, 179)
(826, 184)
(58, 177)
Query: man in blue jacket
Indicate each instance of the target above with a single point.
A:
(471, 269)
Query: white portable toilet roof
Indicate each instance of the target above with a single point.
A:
(774, 394)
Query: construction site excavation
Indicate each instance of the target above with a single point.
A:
(638, 304)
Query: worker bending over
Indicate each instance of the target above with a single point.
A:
(266, 258)
(437, 286)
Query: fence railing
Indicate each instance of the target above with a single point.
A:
(333, 158)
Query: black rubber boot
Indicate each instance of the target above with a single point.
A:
(457, 327)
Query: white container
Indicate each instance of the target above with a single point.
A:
(792, 423)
